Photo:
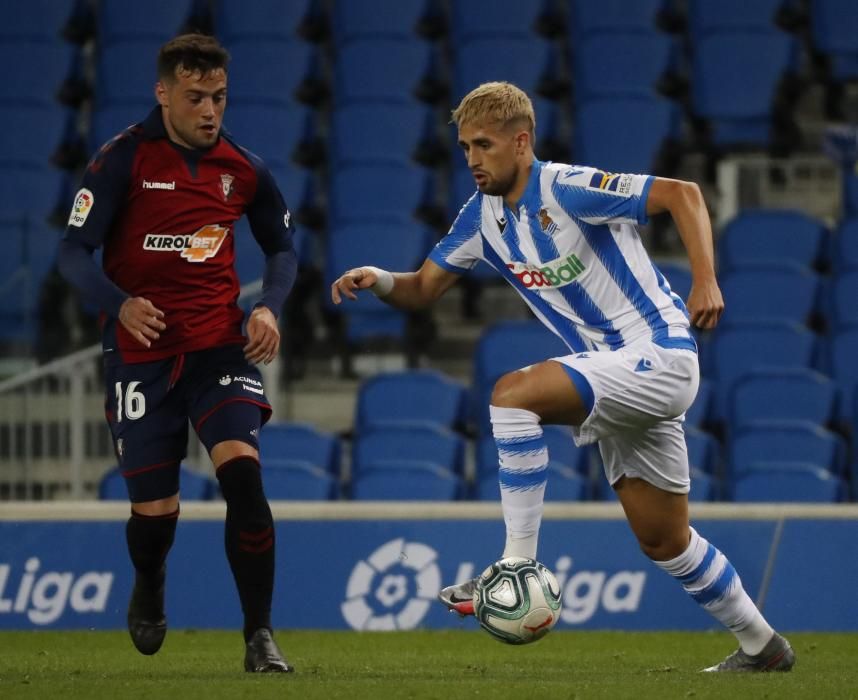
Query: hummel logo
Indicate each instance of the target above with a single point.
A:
(147, 185)
(643, 365)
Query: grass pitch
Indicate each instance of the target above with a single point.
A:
(389, 666)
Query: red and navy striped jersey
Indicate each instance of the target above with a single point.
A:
(165, 216)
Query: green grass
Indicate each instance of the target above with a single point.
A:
(389, 666)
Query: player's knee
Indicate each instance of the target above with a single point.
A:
(509, 391)
(661, 547)
(241, 485)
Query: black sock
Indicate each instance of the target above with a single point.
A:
(149, 539)
(249, 540)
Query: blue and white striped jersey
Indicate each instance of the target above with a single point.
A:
(574, 254)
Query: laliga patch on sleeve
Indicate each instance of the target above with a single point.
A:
(83, 202)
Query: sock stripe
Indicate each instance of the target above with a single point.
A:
(523, 480)
(521, 445)
(701, 568)
(718, 588)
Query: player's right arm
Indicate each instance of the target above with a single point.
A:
(100, 197)
(407, 290)
(453, 256)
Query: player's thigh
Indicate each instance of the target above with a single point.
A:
(546, 389)
(228, 405)
(148, 424)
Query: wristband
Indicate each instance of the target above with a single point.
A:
(384, 282)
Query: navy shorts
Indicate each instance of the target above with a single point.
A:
(148, 406)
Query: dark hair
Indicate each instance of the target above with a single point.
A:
(195, 53)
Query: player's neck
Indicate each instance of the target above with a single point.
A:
(513, 197)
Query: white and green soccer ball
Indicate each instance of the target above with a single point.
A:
(517, 600)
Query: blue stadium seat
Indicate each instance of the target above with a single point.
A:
(844, 298)
(302, 442)
(602, 138)
(506, 347)
(297, 480)
(193, 486)
(126, 73)
(783, 394)
(785, 441)
(697, 414)
(380, 69)
(40, 20)
(785, 291)
(273, 132)
(107, 122)
(41, 67)
(710, 16)
(704, 487)
(157, 20)
(739, 348)
(703, 450)
(564, 484)
(254, 62)
(587, 16)
(415, 396)
(265, 19)
(405, 480)
(32, 192)
(523, 62)
(111, 486)
(399, 445)
(735, 79)
(772, 235)
(384, 192)
(834, 30)
(378, 132)
(845, 245)
(788, 483)
(395, 246)
(363, 19)
(844, 368)
(29, 134)
(613, 64)
(495, 19)
(196, 486)
(678, 276)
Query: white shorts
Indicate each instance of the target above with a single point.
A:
(640, 395)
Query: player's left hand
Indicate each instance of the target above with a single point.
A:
(705, 303)
(263, 336)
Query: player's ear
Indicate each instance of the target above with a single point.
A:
(522, 141)
(161, 93)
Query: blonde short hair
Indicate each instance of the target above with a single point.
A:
(500, 103)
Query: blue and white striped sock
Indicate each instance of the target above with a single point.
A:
(523, 458)
(710, 579)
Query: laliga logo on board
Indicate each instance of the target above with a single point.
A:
(44, 597)
(394, 588)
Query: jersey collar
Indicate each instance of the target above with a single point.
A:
(531, 197)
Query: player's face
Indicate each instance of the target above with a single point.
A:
(193, 106)
(491, 155)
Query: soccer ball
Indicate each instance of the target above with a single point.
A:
(517, 600)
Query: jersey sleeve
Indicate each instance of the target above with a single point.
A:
(101, 195)
(271, 224)
(462, 247)
(598, 197)
(102, 192)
